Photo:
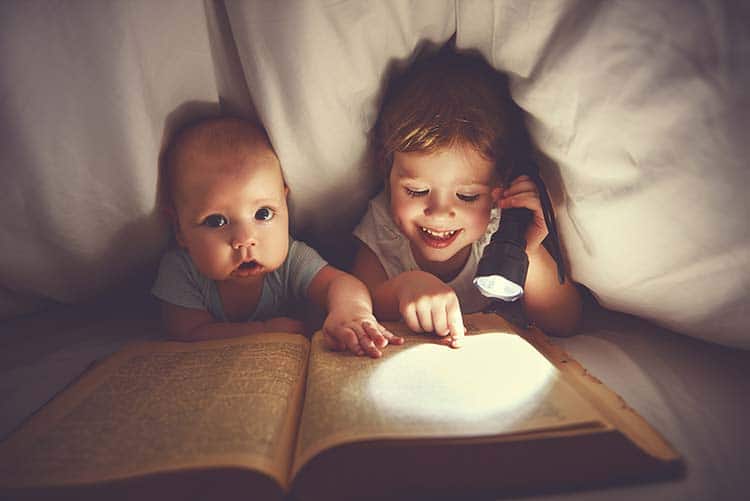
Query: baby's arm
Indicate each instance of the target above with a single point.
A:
(350, 323)
(424, 301)
(554, 307)
(188, 324)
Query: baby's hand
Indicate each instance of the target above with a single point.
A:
(523, 192)
(427, 304)
(284, 324)
(360, 335)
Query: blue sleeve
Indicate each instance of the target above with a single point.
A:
(178, 282)
(303, 263)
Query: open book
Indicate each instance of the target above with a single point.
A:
(276, 415)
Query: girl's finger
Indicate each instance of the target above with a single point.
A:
(440, 320)
(527, 200)
(409, 314)
(455, 323)
(424, 315)
(520, 187)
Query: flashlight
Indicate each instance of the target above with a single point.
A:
(501, 273)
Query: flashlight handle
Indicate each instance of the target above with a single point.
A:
(513, 225)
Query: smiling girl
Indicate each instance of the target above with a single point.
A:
(444, 142)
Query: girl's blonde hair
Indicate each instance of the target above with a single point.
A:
(443, 99)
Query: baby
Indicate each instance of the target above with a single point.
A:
(236, 270)
(445, 143)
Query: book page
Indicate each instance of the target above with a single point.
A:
(495, 384)
(168, 406)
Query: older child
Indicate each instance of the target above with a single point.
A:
(236, 270)
(444, 141)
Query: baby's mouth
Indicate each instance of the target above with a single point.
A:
(248, 268)
(438, 238)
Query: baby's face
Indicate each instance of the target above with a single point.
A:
(232, 214)
(441, 202)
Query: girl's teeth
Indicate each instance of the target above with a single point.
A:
(438, 234)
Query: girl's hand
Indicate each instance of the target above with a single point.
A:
(427, 304)
(523, 192)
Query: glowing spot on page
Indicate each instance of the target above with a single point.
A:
(492, 375)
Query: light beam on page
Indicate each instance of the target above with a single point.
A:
(493, 375)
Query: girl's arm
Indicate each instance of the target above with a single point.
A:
(554, 307)
(425, 302)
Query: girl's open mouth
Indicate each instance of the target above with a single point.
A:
(438, 239)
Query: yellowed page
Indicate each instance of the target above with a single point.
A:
(496, 384)
(167, 406)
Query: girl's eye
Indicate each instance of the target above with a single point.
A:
(467, 198)
(215, 221)
(416, 193)
(264, 214)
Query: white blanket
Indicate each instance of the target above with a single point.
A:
(639, 108)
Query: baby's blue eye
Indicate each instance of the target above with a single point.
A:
(264, 214)
(416, 193)
(467, 198)
(215, 221)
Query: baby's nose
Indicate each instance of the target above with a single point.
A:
(237, 245)
(243, 237)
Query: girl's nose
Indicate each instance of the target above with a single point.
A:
(439, 205)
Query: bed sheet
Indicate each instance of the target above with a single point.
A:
(695, 393)
(639, 110)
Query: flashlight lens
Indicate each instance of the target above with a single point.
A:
(498, 287)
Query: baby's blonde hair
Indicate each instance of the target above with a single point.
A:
(219, 135)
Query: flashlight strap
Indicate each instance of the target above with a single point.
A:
(553, 240)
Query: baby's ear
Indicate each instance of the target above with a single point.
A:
(496, 194)
(171, 216)
(286, 190)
